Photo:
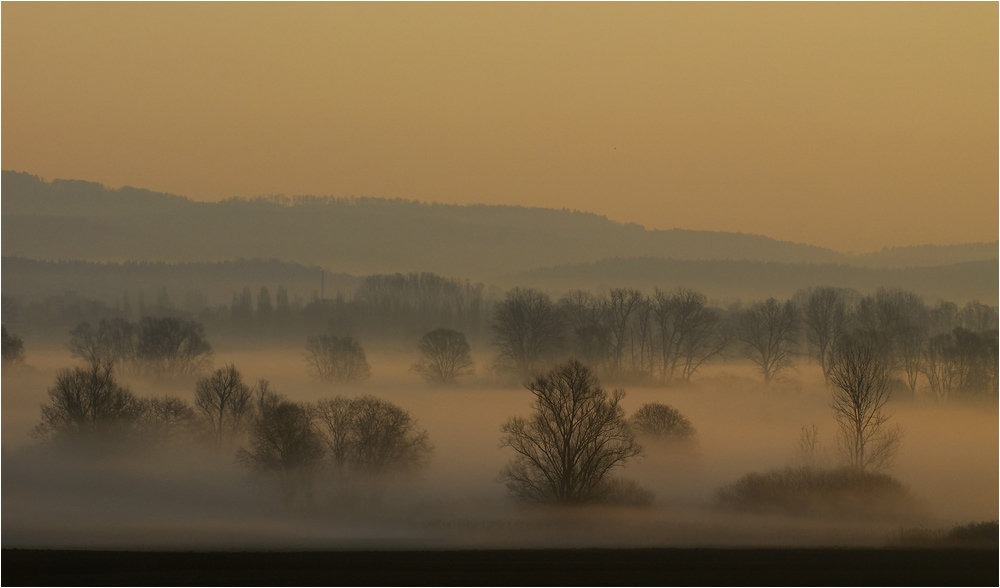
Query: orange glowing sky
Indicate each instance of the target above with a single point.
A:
(852, 126)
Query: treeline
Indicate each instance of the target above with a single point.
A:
(626, 335)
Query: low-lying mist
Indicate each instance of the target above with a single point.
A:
(187, 497)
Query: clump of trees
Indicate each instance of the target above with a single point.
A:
(284, 441)
(662, 422)
(293, 442)
(158, 347)
(89, 409)
(337, 359)
(371, 436)
(961, 363)
(576, 436)
(444, 356)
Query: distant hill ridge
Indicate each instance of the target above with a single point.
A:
(70, 219)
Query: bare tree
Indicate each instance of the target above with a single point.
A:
(826, 316)
(767, 330)
(566, 450)
(224, 402)
(88, 407)
(337, 359)
(371, 436)
(861, 391)
(527, 330)
(444, 356)
(689, 333)
(896, 321)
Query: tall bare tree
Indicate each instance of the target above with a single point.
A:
(826, 315)
(861, 391)
(896, 322)
(225, 404)
(690, 333)
(767, 330)
(566, 450)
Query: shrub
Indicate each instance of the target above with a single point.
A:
(806, 490)
(624, 492)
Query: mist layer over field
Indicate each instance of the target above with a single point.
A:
(189, 498)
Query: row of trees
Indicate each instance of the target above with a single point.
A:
(668, 336)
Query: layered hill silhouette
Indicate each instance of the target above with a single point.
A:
(79, 220)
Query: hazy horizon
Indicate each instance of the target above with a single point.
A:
(853, 127)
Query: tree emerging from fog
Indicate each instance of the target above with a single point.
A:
(527, 331)
(337, 359)
(768, 330)
(861, 382)
(372, 436)
(444, 356)
(223, 400)
(576, 436)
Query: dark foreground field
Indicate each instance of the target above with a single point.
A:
(609, 567)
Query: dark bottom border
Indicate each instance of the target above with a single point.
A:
(582, 567)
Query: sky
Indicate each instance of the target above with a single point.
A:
(853, 126)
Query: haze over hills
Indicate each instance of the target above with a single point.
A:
(504, 245)
(68, 219)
